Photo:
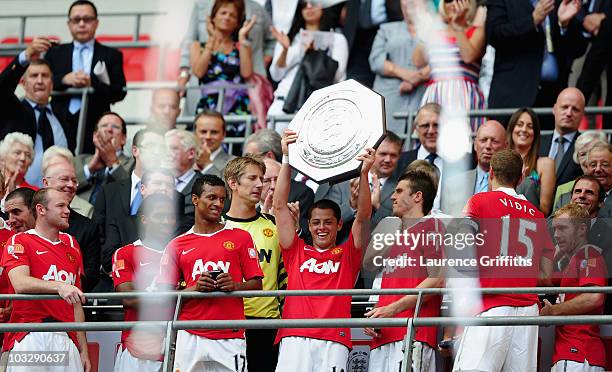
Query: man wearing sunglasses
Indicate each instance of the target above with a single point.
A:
(85, 63)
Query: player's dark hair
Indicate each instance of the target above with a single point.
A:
(507, 167)
(207, 179)
(326, 204)
(123, 127)
(25, 193)
(601, 193)
(420, 181)
(40, 197)
(83, 2)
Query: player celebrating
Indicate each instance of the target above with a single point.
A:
(412, 201)
(578, 347)
(514, 230)
(135, 267)
(45, 260)
(209, 257)
(320, 266)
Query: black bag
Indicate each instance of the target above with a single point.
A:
(317, 70)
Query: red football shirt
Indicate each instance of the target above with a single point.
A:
(189, 255)
(50, 261)
(512, 227)
(139, 265)
(411, 277)
(5, 234)
(578, 342)
(307, 268)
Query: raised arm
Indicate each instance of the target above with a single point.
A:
(361, 225)
(246, 49)
(284, 221)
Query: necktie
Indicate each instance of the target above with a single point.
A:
(560, 152)
(137, 201)
(98, 180)
(483, 184)
(431, 158)
(43, 127)
(365, 13)
(78, 65)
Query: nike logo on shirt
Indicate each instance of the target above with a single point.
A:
(41, 252)
(187, 251)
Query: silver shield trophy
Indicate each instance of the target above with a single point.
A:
(334, 125)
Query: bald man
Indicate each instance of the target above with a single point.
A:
(568, 112)
(460, 186)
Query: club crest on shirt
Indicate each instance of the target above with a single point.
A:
(70, 257)
(336, 251)
(268, 232)
(229, 245)
(119, 265)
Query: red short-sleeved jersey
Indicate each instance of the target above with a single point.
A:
(5, 234)
(189, 255)
(308, 268)
(578, 342)
(512, 227)
(50, 261)
(411, 277)
(139, 265)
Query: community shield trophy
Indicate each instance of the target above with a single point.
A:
(334, 125)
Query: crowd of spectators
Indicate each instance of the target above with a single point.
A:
(268, 56)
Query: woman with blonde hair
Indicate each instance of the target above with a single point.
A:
(16, 154)
(538, 184)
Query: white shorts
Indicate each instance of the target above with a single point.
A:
(571, 366)
(499, 348)
(301, 354)
(389, 358)
(196, 353)
(47, 342)
(126, 362)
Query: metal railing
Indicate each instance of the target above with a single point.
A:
(173, 326)
(13, 49)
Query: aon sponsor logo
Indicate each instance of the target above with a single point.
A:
(200, 267)
(327, 267)
(59, 276)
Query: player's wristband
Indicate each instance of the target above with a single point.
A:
(285, 159)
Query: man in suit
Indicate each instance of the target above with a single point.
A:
(108, 163)
(267, 143)
(24, 115)
(568, 112)
(59, 174)
(182, 147)
(360, 26)
(458, 186)
(122, 198)
(86, 63)
(534, 49)
(209, 129)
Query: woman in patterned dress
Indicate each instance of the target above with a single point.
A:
(454, 59)
(225, 59)
(538, 184)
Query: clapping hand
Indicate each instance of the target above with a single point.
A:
(243, 33)
(281, 37)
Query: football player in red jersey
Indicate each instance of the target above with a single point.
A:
(135, 267)
(412, 201)
(211, 256)
(320, 266)
(45, 260)
(578, 347)
(515, 250)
